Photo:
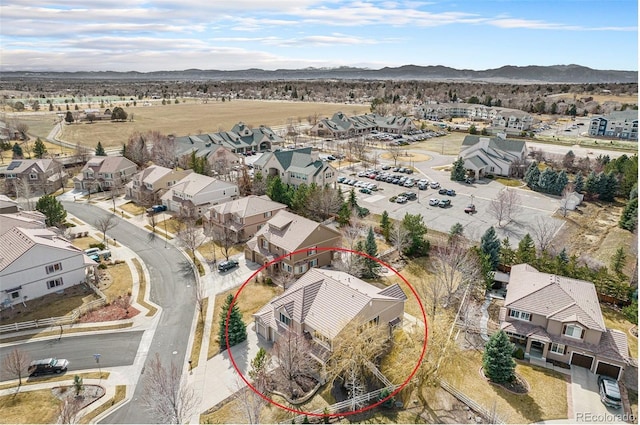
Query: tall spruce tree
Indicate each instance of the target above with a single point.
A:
(561, 182)
(532, 175)
(547, 180)
(17, 151)
(497, 360)
(458, 172)
(237, 328)
(578, 183)
(371, 267)
(526, 252)
(385, 225)
(54, 212)
(39, 149)
(490, 246)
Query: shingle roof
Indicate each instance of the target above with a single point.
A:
(328, 300)
(498, 143)
(555, 297)
(247, 206)
(17, 241)
(24, 219)
(193, 183)
(19, 166)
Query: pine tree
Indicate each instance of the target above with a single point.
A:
(344, 214)
(54, 212)
(507, 254)
(17, 151)
(458, 172)
(372, 267)
(629, 217)
(618, 261)
(547, 180)
(526, 252)
(561, 262)
(608, 186)
(532, 175)
(561, 182)
(490, 246)
(455, 233)
(353, 201)
(277, 191)
(100, 150)
(237, 328)
(385, 225)
(591, 185)
(578, 183)
(300, 198)
(416, 228)
(497, 360)
(39, 149)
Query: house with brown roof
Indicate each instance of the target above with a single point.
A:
(240, 218)
(322, 303)
(559, 318)
(35, 262)
(24, 219)
(194, 194)
(296, 167)
(285, 233)
(147, 186)
(105, 173)
(40, 175)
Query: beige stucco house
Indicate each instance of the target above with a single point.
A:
(295, 167)
(322, 303)
(241, 218)
(285, 233)
(105, 173)
(147, 186)
(40, 176)
(192, 195)
(559, 318)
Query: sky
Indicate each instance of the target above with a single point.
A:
(157, 35)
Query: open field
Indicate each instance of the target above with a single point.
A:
(189, 118)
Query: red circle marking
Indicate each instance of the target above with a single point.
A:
(352, 412)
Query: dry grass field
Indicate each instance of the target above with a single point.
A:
(196, 118)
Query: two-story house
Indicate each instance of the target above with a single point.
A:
(194, 194)
(492, 155)
(147, 186)
(36, 262)
(619, 124)
(297, 166)
(322, 303)
(285, 233)
(105, 173)
(559, 318)
(240, 218)
(42, 176)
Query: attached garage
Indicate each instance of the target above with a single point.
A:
(608, 369)
(581, 360)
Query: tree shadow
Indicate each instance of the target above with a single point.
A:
(186, 268)
(524, 404)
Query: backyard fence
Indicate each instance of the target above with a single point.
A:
(491, 417)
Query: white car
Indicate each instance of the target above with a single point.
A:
(423, 181)
(434, 201)
(434, 185)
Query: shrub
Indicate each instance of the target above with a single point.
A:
(518, 353)
(102, 266)
(388, 404)
(268, 281)
(631, 312)
(97, 245)
(393, 199)
(363, 212)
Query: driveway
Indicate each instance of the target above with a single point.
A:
(587, 406)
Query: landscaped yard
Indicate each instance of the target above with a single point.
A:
(83, 243)
(132, 208)
(614, 319)
(29, 407)
(207, 251)
(121, 281)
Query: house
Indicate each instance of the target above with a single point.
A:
(105, 173)
(492, 155)
(322, 303)
(340, 126)
(559, 318)
(241, 218)
(42, 176)
(36, 262)
(296, 166)
(23, 219)
(619, 124)
(220, 159)
(285, 233)
(147, 186)
(194, 194)
(504, 118)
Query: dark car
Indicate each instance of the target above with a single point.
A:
(469, 180)
(331, 158)
(423, 186)
(156, 209)
(408, 171)
(444, 203)
(47, 366)
(442, 191)
(227, 265)
(451, 192)
(470, 209)
(410, 196)
(609, 391)
(386, 167)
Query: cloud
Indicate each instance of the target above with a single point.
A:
(335, 39)
(511, 23)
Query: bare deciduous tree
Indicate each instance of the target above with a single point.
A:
(543, 232)
(16, 362)
(395, 153)
(454, 266)
(566, 198)
(68, 410)
(224, 238)
(201, 297)
(250, 403)
(82, 153)
(24, 191)
(190, 236)
(163, 149)
(167, 396)
(323, 202)
(505, 206)
(106, 223)
(399, 237)
(292, 353)
(137, 148)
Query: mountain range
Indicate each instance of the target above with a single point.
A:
(516, 74)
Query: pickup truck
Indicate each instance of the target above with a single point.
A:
(96, 254)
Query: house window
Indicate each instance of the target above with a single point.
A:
(268, 214)
(520, 315)
(265, 244)
(284, 319)
(52, 268)
(15, 295)
(492, 169)
(286, 267)
(374, 321)
(54, 283)
(558, 348)
(301, 269)
(573, 331)
(33, 176)
(313, 263)
(312, 251)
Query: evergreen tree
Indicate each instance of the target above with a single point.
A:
(100, 150)
(237, 328)
(416, 229)
(608, 186)
(578, 183)
(344, 214)
(68, 116)
(490, 246)
(526, 252)
(353, 200)
(629, 217)
(547, 180)
(561, 182)
(277, 191)
(372, 267)
(497, 360)
(532, 175)
(39, 149)
(473, 129)
(54, 212)
(567, 161)
(455, 233)
(385, 225)
(17, 151)
(507, 254)
(561, 262)
(591, 185)
(458, 173)
(618, 260)
(300, 198)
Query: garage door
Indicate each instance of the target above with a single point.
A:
(582, 360)
(608, 370)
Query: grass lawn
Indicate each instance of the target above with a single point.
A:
(197, 339)
(83, 243)
(67, 332)
(252, 298)
(142, 289)
(508, 182)
(132, 208)
(172, 225)
(410, 273)
(546, 400)
(614, 319)
(122, 284)
(121, 392)
(31, 407)
(207, 250)
(57, 378)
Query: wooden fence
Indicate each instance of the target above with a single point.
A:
(492, 417)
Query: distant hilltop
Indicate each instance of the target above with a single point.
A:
(517, 74)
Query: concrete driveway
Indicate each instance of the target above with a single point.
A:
(587, 406)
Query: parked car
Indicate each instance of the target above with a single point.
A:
(386, 167)
(470, 209)
(331, 158)
(410, 196)
(469, 180)
(409, 183)
(402, 170)
(395, 181)
(434, 185)
(444, 203)
(365, 191)
(47, 366)
(433, 201)
(341, 179)
(442, 191)
(408, 171)
(156, 209)
(609, 391)
(401, 200)
(451, 192)
(423, 186)
(227, 265)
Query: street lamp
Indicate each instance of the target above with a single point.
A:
(97, 357)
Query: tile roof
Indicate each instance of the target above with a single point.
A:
(506, 145)
(193, 183)
(24, 219)
(247, 206)
(17, 241)
(327, 300)
(554, 297)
